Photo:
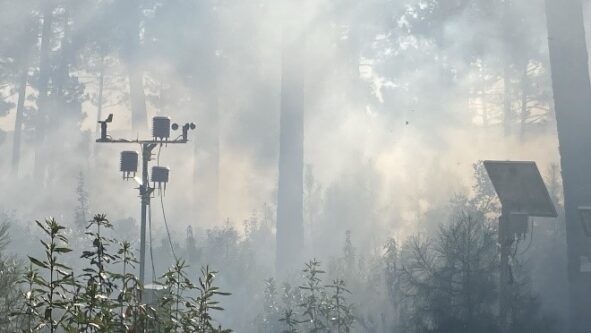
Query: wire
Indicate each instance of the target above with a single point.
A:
(151, 250)
(158, 156)
(166, 225)
(531, 238)
(516, 247)
(163, 211)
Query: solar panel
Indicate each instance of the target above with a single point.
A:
(520, 188)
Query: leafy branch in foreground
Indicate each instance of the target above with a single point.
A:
(175, 283)
(97, 308)
(341, 313)
(131, 310)
(56, 301)
(47, 302)
(323, 308)
(200, 308)
(313, 295)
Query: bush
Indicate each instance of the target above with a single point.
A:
(100, 300)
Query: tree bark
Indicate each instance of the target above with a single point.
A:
(30, 40)
(18, 122)
(60, 119)
(42, 99)
(207, 155)
(524, 109)
(101, 87)
(137, 96)
(572, 99)
(139, 117)
(207, 141)
(290, 229)
(507, 110)
(483, 99)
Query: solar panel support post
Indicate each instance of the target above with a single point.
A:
(523, 194)
(506, 239)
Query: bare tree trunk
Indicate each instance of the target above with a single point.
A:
(207, 152)
(60, 119)
(524, 95)
(207, 159)
(139, 117)
(63, 70)
(507, 110)
(572, 98)
(99, 102)
(290, 229)
(483, 99)
(30, 40)
(18, 122)
(207, 143)
(42, 100)
(101, 87)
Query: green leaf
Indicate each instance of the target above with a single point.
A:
(42, 227)
(39, 263)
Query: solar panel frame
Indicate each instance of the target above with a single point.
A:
(520, 188)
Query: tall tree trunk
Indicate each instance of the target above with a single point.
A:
(137, 96)
(507, 110)
(572, 99)
(483, 99)
(207, 141)
(63, 72)
(60, 119)
(42, 99)
(18, 122)
(99, 107)
(101, 87)
(139, 117)
(524, 95)
(290, 229)
(30, 40)
(206, 151)
(207, 158)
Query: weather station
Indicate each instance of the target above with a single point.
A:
(129, 163)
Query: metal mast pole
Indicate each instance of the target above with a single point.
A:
(145, 193)
(145, 201)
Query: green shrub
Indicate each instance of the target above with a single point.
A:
(99, 300)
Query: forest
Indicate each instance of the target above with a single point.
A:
(295, 166)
